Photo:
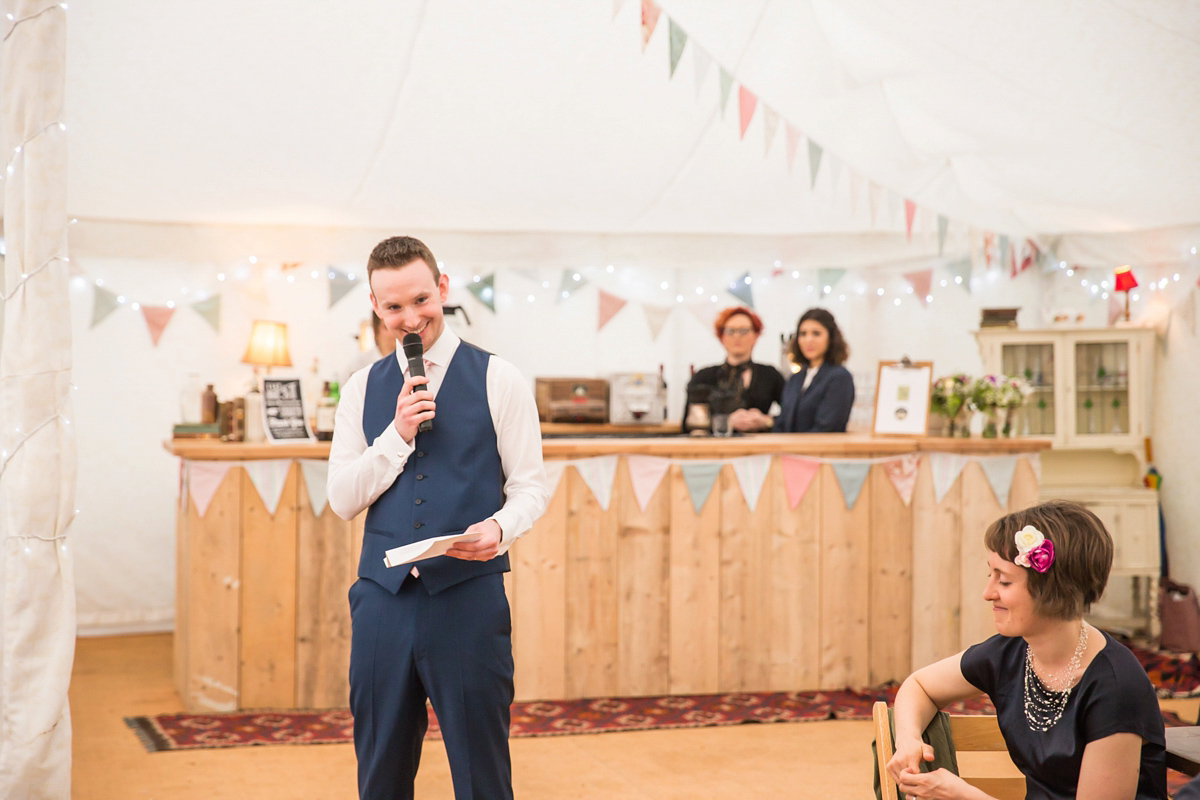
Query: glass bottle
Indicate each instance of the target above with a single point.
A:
(326, 411)
(208, 406)
(189, 400)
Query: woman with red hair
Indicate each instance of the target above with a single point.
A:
(743, 389)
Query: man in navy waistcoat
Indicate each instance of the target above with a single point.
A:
(439, 630)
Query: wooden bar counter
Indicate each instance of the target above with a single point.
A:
(619, 601)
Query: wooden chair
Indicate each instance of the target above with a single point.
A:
(971, 734)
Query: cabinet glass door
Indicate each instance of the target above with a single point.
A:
(1034, 363)
(1101, 388)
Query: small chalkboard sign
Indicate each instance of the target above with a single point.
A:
(283, 410)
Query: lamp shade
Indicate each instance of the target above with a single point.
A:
(1125, 280)
(268, 345)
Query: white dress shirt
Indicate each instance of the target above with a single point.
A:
(359, 472)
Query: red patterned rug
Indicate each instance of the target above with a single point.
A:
(196, 731)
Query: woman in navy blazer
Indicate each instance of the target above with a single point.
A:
(817, 399)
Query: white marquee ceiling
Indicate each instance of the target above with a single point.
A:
(1025, 116)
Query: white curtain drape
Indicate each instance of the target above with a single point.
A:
(37, 446)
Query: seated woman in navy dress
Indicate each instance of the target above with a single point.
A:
(1078, 713)
(817, 399)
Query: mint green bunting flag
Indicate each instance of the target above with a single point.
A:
(104, 303)
(1004, 247)
(814, 162)
(484, 290)
(851, 475)
(999, 471)
(726, 85)
(740, 289)
(210, 310)
(943, 226)
(829, 277)
(570, 282)
(699, 478)
(340, 285)
(678, 40)
(961, 270)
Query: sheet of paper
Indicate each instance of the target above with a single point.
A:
(426, 548)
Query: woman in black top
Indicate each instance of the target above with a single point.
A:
(1077, 711)
(743, 387)
(818, 398)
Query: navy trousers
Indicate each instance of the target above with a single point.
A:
(454, 648)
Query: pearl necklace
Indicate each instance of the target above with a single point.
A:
(1044, 704)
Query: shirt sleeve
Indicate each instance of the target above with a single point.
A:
(981, 663)
(519, 440)
(1122, 701)
(358, 472)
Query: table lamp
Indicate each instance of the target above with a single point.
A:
(268, 345)
(1124, 282)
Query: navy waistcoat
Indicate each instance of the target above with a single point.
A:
(452, 479)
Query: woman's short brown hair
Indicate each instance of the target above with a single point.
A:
(1083, 555)
(837, 352)
(723, 317)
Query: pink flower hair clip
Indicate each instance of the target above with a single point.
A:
(1034, 550)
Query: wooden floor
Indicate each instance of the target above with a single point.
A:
(131, 675)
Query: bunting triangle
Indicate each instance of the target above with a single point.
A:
(316, 479)
(751, 472)
(484, 291)
(528, 274)
(617, 4)
(999, 471)
(746, 104)
(902, 472)
(814, 162)
(1115, 309)
(770, 123)
(203, 480)
(793, 140)
(742, 290)
(703, 312)
(874, 190)
(893, 206)
(726, 86)
(1005, 247)
(104, 303)
(943, 226)
(678, 40)
(960, 270)
(650, 12)
(571, 281)
(946, 468)
(835, 174)
(268, 477)
(598, 473)
(910, 211)
(699, 477)
(554, 473)
(210, 310)
(798, 474)
(1035, 463)
(156, 318)
(701, 64)
(646, 473)
(829, 277)
(851, 475)
(921, 281)
(610, 304)
(656, 318)
(340, 285)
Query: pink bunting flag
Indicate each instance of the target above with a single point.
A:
(793, 141)
(617, 7)
(746, 103)
(1115, 309)
(157, 318)
(203, 480)
(770, 122)
(646, 473)
(902, 472)
(798, 474)
(910, 211)
(610, 304)
(650, 13)
(920, 280)
(1029, 255)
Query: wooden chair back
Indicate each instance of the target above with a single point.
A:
(970, 734)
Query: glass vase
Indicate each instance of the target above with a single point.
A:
(991, 425)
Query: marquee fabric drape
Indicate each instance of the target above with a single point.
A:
(37, 446)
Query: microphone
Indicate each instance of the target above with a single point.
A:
(414, 351)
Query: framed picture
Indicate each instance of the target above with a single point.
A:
(283, 411)
(902, 391)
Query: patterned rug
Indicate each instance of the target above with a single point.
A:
(603, 715)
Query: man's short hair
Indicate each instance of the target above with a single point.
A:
(400, 251)
(1083, 555)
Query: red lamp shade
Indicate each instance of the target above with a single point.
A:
(1125, 280)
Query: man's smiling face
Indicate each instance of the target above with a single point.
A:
(409, 300)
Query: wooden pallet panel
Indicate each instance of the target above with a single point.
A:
(539, 564)
(936, 593)
(794, 576)
(592, 633)
(890, 584)
(979, 509)
(695, 589)
(845, 572)
(745, 627)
